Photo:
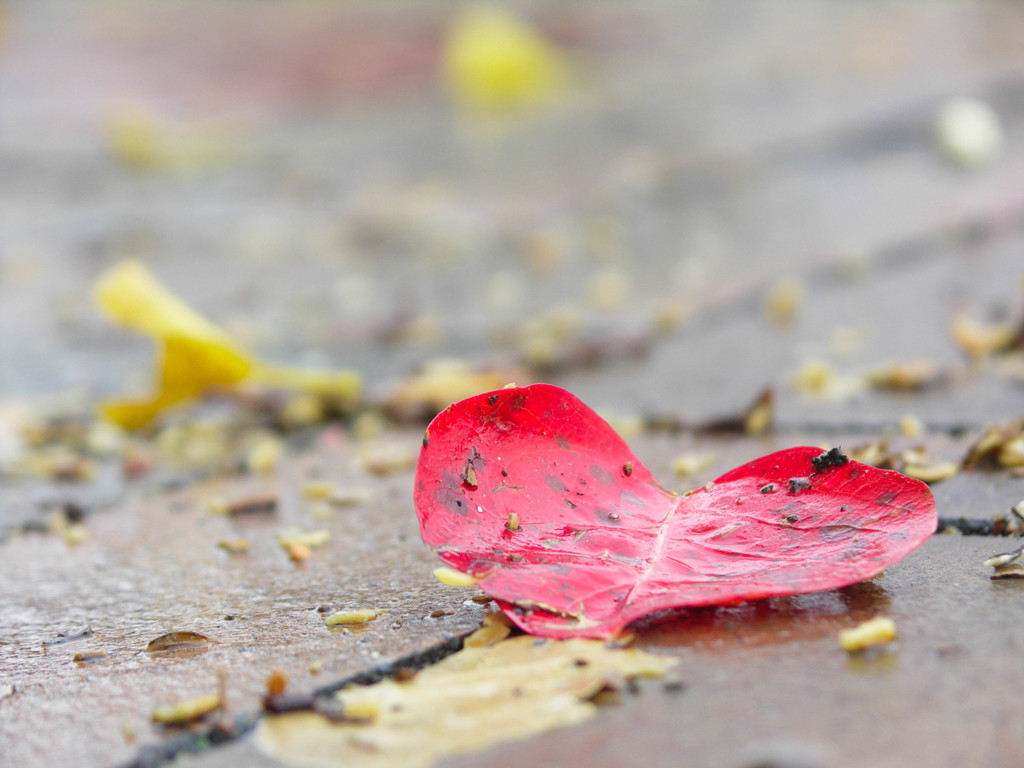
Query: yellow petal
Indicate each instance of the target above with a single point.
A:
(130, 296)
(195, 354)
(492, 59)
(133, 414)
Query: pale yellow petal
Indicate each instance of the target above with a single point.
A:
(472, 700)
(130, 296)
(195, 355)
(493, 59)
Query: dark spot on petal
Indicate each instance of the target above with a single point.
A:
(627, 468)
(837, 532)
(602, 475)
(555, 484)
(492, 399)
(770, 488)
(628, 497)
(448, 494)
(798, 484)
(887, 498)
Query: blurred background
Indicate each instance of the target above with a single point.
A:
(698, 197)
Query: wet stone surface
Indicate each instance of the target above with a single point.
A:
(153, 565)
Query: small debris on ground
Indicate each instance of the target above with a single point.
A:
(914, 462)
(869, 634)
(905, 377)
(244, 505)
(980, 340)
(264, 456)
(783, 301)
(1007, 565)
(347, 618)
(277, 682)
(911, 426)
(453, 578)
(234, 546)
(291, 537)
(351, 497)
(443, 382)
(186, 710)
(318, 490)
(496, 627)
(62, 638)
(177, 641)
(920, 466)
(90, 656)
(385, 457)
(1000, 445)
(818, 380)
(76, 534)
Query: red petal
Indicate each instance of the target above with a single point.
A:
(601, 543)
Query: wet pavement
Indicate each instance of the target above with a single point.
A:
(347, 214)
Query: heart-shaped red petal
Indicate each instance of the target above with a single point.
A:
(535, 494)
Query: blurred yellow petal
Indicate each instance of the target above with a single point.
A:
(134, 137)
(130, 296)
(493, 59)
(195, 354)
(133, 414)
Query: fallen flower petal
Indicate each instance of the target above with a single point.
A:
(468, 701)
(601, 543)
(195, 354)
(495, 61)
